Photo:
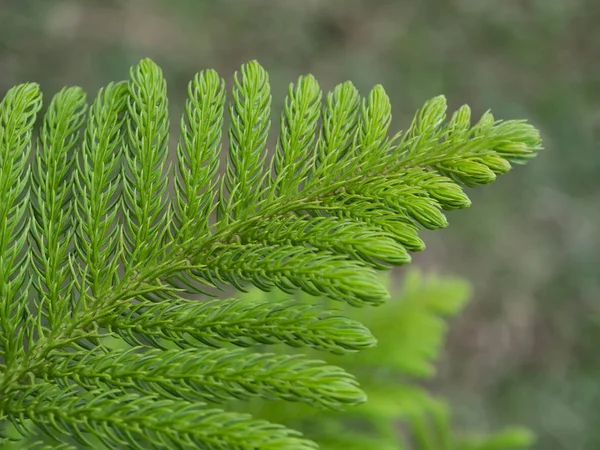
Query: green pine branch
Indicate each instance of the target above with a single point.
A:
(92, 227)
(210, 375)
(238, 322)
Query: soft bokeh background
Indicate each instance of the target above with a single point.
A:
(525, 351)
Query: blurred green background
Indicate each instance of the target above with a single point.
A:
(524, 352)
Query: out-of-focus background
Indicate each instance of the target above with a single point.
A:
(525, 351)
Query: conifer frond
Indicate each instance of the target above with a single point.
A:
(373, 140)
(292, 267)
(52, 203)
(299, 121)
(348, 237)
(335, 149)
(241, 323)
(142, 422)
(18, 112)
(198, 154)
(212, 375)
(112, 254)
(97, 190)
(146, 180)
(248, 131)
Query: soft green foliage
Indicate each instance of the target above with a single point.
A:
(410, 332)
(113, 256)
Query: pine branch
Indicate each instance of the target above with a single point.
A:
(130, 420)
(52, 206)
(111, 254)
(241, 323)
(289, 268)
(299, 121)
(346, 237)
(97, 192)
(249, 114)
(373, 141)
(145, 180)
(211, 375)
(335, 148)
(198, 154)
(17, 116)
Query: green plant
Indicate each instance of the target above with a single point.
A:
(91, 247)
(410, 333)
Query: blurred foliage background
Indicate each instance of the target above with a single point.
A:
(524, 352)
